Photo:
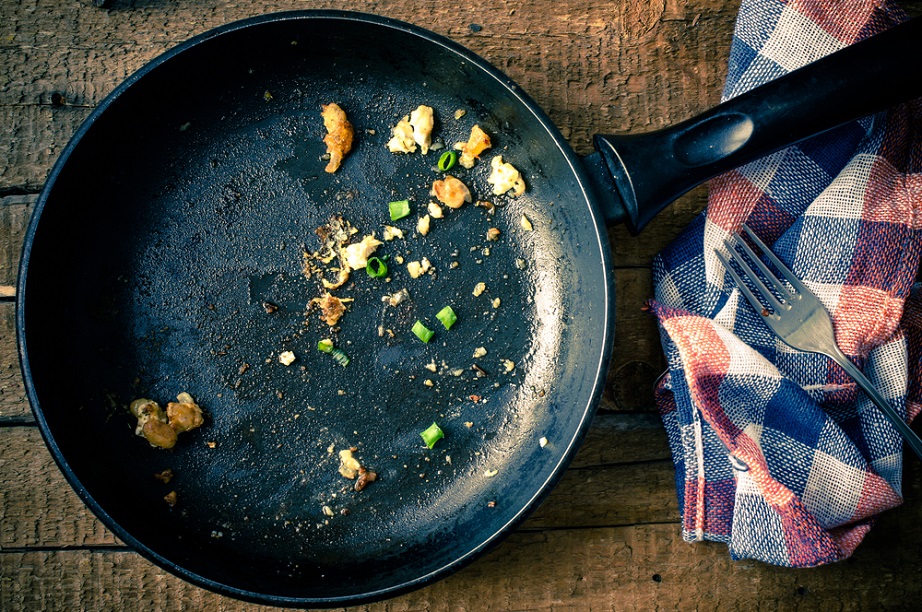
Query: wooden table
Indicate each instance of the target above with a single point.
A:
(609, 536)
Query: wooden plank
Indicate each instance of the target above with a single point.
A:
(15, 212)
(618, 568)
(13, 404)
(38, 507)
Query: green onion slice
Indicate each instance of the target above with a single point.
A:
(422, 332)
(447, 316)
(376, 267)
(325, 346)
(340, 356)
(447, 161)
(399, 209)
(432, 435)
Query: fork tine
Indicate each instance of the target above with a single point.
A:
(780, 287)
(768, 298)
(742, 286)
(785, 271)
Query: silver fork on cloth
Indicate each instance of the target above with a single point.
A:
(799, 318)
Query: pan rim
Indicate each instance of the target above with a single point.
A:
(474, 551)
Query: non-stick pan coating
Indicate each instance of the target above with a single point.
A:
(186, 201)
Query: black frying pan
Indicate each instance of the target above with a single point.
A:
(184, 203)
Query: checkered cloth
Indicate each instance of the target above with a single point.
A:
(777, 453)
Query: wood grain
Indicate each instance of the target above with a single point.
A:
(640, 567)
(608, 537)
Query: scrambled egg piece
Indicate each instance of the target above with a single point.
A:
(451, 192)
(339, 135)
(414, 129)
(422, 121)
(402, 139)
(505, 177)
(477, 143)
(356, 255)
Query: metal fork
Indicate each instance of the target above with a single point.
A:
(800, 319)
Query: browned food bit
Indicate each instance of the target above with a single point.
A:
(184, 414)
(365, 478)
(159, 434)
(171, 498)
(270, 308)
(331, 308)
(339, 135)
(152, 423)
(160, 429)
(477, 143)
(165, 476)
(451, 192)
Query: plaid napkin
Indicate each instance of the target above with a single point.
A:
(777, 453)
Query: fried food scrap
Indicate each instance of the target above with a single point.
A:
(339, 135)
(332, 236)
(422, 121)
(477, 143)
(351, 468)
(414, 129)
(331, 308)
(356, 255)
(505, 177)
(451, 192)
(184, 414)
(171, 498)
(402, 137)
(365, 478)
(349, 465)
(165, 476)
(161, 429)
(391, 232)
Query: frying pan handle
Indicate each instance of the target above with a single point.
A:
(653, 169)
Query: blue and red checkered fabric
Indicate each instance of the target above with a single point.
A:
(777, 452)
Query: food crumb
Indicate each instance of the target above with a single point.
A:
(428, 383)
(165, 476)
(211, 444)
(479, 352)
(508, 364)
(328, 511)
(287, 358)
(491, 473)
(391, 232)
(171, 498)
(479, 288)
(422, 226)
(431, 366)
(542, 442)
(493, 234)
(468, 424)
(525, 223)
(460, 113)
(496, 303)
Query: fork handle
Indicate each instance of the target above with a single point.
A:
(879, 400)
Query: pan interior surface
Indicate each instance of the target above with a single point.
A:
(188, 204)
